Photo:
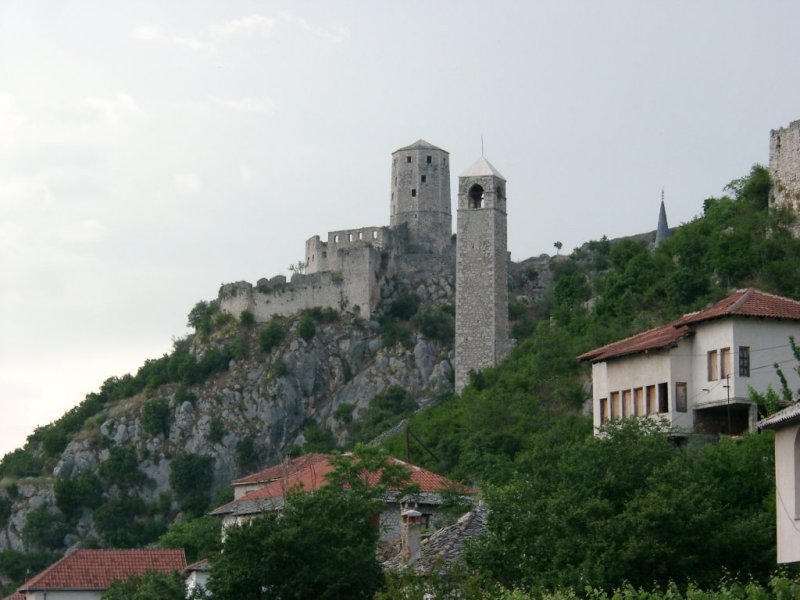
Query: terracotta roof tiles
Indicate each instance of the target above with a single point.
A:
(742, 303)
(97, 569)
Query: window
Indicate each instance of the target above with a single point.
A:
(324, 254)
(725, 363)
(680, 397)
(744, 361)
(408, 159)
(614, 405)
(413, 193)
(712, 366)
(349, 237)
(650, 395)
(428, 159)
(336, 239)
(374, 235)
(424, 177)
(475, 196)
(361, 235)
(663, 400)
(603, 410)
(626, 403)
(639, 408)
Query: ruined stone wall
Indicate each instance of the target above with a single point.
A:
(327, 256)
(784, 167)
(355, 286)
(481, 280)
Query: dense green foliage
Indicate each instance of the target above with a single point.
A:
(320, 546)
(191, 477)
(306, 329)
(199, 537)
(156, 417)
(271, 335)
(385, 410)
(85, 490)
(150, 586)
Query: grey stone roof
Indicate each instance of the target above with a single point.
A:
(445, 547)
(482, 168)
(787, 416)
(419, 145)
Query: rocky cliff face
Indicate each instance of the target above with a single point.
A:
(268, 397)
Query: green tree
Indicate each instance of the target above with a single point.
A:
(121, 468)
(322, 545)
(247, 459)
(152, 585)
(199, 538)
(156, 417)
(191, 477)
(271, 336)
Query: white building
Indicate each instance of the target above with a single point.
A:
(786, 424)
(697, 371)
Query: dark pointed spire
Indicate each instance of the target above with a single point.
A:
(662, 231)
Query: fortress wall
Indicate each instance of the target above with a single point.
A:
(784, 168)
(355, 285)
(327, 256)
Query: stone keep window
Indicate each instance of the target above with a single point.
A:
(428, 159)
(408, 159)
(476, 196)
(414, 193)
(423, 178)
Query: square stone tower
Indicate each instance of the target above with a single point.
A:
(784, 168)
(481, 271)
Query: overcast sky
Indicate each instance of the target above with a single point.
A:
(150, 151)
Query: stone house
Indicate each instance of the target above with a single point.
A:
(786, 424)
(264, 491)
(697, 371)
(86, 574)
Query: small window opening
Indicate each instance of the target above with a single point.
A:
(424, 178)
(336, 239)
(476, 196)
(413, 193)
(349, 237)
(361, 235)
(374, 235)
(324, 255)
(744, 361)
(408, 159)
(428, 159)
(650, 398)
(626, 403)
(713, 373)
(725, 367)
(639, 409)
(680, 397)
(614, 404)
(663, 400)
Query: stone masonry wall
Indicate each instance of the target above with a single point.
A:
(327, 256)
(784, 167)
(355, 285)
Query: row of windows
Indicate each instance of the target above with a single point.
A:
(352, 237)
(427, 159)
(642, 401)
(720, 363)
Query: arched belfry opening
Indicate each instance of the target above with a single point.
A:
(476, 196)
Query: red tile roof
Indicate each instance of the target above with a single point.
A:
(283, 469)
(742, 303)
(97, 569)
(15, 596)
(311, 476)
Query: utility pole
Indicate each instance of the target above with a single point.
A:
(728, 389)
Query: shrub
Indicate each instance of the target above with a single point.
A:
(216, 430)
(271, 336)
(200, 317)
(184, 394)
(404, 307)
(121, 468)
(436, 324)
(191, 476)
(72, 494)
(20, 463)
(246, 455)
(42, 530)
(156, 417)
(198, 537)
(236, 347)
(395, 332)
(247, 318)
(306, 329)
(318, 438)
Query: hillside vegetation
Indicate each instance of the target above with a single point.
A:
(568, 511)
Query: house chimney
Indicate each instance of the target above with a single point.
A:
(410, 535)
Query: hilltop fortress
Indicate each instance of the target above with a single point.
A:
(346, 271)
